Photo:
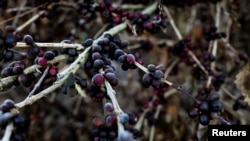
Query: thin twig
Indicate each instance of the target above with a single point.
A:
(20, 28)
(51, 45)
(8, 132)
(156, 115)
(215, 42)
(37, 85)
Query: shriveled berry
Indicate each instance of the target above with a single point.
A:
(42, 61)
(49, 55)
(87, 42)
(97, 79)
(28, 39)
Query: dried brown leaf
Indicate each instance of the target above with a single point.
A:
(242, 82)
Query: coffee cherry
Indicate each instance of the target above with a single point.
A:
(146, 80)
(42, 61)
(28, 39)
(98, 64)
(204, 119)
(87, 42)
(20, 122)
(49, 55)
(53, 71)
(109, 107)
(35, 50)
(82, 82)
(158, 74)
(8, 71)
(7, 105)
(130, 59)
(151, 68)
(10, 40)
(193, 113)
(124, 118)
(24, 80)
(17, 137)
(97, 79)
(17, 70)
(216, 106)
(111, 78)
(8, 55)
(203, 107)
(72, 52)
(125, 136)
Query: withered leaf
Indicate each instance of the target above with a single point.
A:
(242, 82)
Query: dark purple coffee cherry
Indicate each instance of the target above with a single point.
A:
(87, 42)
(96, 55)
(118, 53)
(158, 74)
(17, 70)
(96, 48)
(82, 82)
(203, 107)
(193, 113)
(130, 58)
(10, 41)
(17, 137)
(109, 107)
(97, 79)
(216, 106)
(123, 118)
(213, 97)
(204, 119)
(25, 80)
(8, 71)
(151, 67)
(7, 105)
(111, 78)
(146, 80)
(72, 52)
(98, 64)
(49, 55)
(20, 122)
(35, 50)
(28, 39)
(8, 55)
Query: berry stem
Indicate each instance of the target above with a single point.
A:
(38, 83)
(51, 45)
(152, 129)
(215, 42)
(42, 94)
(31, 20)
(8, 132)
(179, 36)
(7, 80)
